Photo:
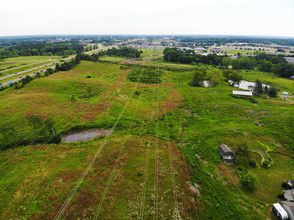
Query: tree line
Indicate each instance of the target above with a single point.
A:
(122, 52)
(41, 49)
(262, 62)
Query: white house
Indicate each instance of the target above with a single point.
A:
(249, 86)
(289, 207)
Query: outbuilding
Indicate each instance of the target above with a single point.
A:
(289, 207)
(242, 93)
(279, 211)
(225, 152)
(292, 77)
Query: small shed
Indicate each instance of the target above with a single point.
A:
(242, 93)
(289, 207)
(225, 152)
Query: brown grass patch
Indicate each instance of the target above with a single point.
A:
(226, 173)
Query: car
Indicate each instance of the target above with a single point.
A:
(21, 77)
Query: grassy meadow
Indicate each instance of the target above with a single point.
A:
(161, 160)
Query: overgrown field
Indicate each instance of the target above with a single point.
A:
(161, 160)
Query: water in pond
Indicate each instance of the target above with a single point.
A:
(85, 135)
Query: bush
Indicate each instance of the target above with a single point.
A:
(247, 177)
(252, 162)
(197, 80)
(266, 164)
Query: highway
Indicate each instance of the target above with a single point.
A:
(49, 65)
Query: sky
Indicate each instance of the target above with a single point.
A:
(197, 17)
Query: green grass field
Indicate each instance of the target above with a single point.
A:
(240, 51)
(111, 58)
(164, 142)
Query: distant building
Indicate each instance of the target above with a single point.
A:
(242, 93)
(292, 77)
(225, 152)
(285, 93)
(289, 207)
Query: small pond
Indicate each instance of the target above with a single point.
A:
(85, 135)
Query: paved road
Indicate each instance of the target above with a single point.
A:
(49, 65)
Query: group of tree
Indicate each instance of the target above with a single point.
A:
(190, 57)
(233, 75)
(122, 52)
(201, 73)
(262, 61)
(41, 49)
(260, 89)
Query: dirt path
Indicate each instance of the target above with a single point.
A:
(285, 98)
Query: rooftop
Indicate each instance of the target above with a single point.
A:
(225, 148)
(242, 93)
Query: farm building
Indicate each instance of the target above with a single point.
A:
(242, 93)
(289, 207)
(225, 152)
(289, 194)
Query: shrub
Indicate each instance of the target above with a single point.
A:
(247, 177)
(266, 164)
(252, 162)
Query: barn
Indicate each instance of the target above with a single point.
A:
(225, 152)
(242, 93)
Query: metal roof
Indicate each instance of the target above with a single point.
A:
(242, 93)
(224, 148)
